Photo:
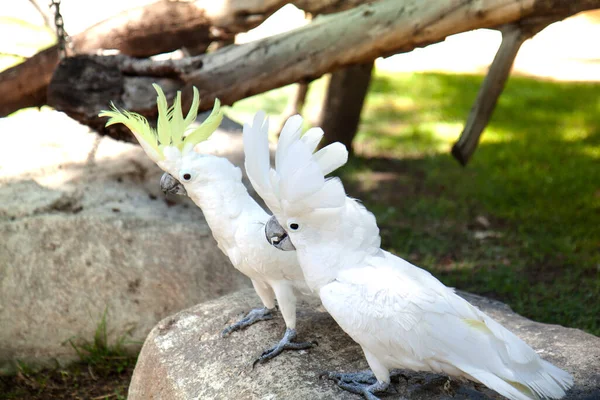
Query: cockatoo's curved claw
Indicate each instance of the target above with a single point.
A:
(255, 315)
(363, 383)
(366, 390)
(366, 376)
(284, 344)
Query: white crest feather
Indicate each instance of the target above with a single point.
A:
(312, 137)
(257, 163)
(290, 132)
(331, 157)
(298, 181)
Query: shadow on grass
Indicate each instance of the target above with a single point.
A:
(536, 179)
(437, 216)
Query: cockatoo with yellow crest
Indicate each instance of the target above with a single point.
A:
(236, 220)
(399, 314)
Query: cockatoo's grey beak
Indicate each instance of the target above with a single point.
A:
(277, 236)
(168, 184)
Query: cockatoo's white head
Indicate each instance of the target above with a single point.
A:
(303, 201)
(171, 144)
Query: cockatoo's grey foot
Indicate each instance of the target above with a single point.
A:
(366, 376)
(284, 344)
(364, 389)
(255, 315)
(363, 383)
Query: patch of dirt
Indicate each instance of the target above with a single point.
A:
(77, 382)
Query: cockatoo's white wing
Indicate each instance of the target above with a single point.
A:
(407, 318)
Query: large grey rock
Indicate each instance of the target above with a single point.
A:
(84, 229)
(185, 358)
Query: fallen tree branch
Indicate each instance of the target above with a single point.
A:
(330, 42)
(513, 36)
(156, 28)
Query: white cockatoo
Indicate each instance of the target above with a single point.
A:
(236, 220)
(400, 314)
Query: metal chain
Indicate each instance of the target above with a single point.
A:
(61, 34)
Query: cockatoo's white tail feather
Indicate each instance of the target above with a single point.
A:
(512, 392)
(549, 382)
(512, 368)
(331, 157)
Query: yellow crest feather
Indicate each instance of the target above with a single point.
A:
(171, 127)
(136, 123)
(206, 129)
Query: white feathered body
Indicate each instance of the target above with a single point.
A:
(400, 314)
(403, 317)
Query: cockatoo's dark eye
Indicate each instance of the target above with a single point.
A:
(294, 226)
(186, 177)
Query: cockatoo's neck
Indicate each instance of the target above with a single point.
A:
(218, 190)
(343, 239)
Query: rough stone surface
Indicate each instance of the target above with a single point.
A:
(84, 228)
(184, 357)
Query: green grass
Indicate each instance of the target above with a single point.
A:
(535, 178)
(103, 372)
(105, 357)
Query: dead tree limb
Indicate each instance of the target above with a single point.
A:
(296, 101)
(513, 36)
(354, 36)
(156, 28)
(330, 42)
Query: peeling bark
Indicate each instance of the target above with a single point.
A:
(156, 28)
(355, 36)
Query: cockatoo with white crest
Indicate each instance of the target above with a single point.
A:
(236, 220)
(400, 314)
